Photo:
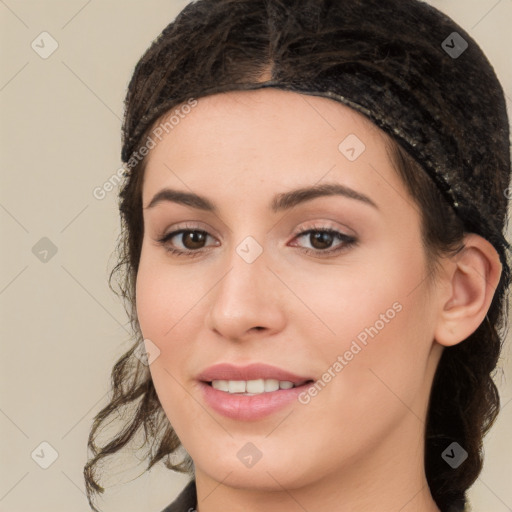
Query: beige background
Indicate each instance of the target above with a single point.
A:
(61, 327)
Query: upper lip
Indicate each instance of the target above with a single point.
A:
(226, 371)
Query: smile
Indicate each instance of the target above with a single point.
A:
(250, 393)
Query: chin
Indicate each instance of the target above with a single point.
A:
(270, 473)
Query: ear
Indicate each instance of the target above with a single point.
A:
(472, 276)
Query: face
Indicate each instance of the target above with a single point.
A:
(252, 288)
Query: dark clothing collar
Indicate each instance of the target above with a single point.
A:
(186, 500)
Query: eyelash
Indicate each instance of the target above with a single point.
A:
(348, 241)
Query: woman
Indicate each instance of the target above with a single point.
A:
(312, 256)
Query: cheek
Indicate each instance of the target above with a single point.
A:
(161, 303)
(382, 333)
(164, 295)
(370, 300)
(170, 306)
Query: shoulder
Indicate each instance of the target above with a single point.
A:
(186, 500)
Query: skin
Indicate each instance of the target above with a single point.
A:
(358, 444)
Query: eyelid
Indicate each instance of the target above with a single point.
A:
(191, 226)
(195, 226)
(326, 224)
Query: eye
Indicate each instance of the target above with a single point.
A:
(192, 241)
(322, 238)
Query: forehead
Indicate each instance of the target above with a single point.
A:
(250, 143)
(282, 105)
(251, 120)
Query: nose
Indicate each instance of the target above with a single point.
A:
(247, 300)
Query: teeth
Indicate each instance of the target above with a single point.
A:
(271, 385)
(251, 387)
(236, 386)
(255, 386)
(221, 385)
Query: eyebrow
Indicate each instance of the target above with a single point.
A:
(280, 202)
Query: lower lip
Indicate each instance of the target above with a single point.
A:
(249, 408)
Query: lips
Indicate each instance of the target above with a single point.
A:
(253, 371)
(250, 392)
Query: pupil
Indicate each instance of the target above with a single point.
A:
(324, 238)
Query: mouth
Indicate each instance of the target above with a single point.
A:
(250, 392)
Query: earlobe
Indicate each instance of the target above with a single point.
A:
(473, 277)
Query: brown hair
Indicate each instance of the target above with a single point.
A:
(464, 401)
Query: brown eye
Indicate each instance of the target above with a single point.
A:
(185, 241)
(321, 239)
(193, 239)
